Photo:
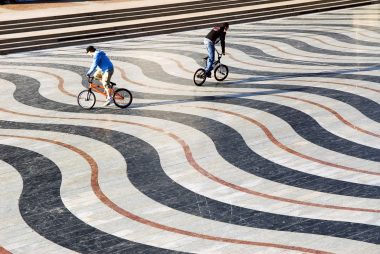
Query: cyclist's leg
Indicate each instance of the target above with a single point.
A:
(98, 74)
(211, 55)
(106, 83)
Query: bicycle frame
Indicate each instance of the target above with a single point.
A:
(96, 88)
(220, 71)
(216, 62)
(121, 97)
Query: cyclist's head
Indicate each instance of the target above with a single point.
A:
(90, 49)
(226, 25)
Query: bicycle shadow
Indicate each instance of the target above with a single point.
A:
(216, 98)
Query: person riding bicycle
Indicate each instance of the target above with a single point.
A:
(103, 68)
(218, 33)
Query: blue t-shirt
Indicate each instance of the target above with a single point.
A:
(101, 61)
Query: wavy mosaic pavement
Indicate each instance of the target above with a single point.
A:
(282, 157)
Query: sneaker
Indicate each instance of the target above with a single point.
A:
(108, 102)
(208, 74)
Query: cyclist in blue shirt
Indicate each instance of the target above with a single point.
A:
(103, 68)
(218, 33)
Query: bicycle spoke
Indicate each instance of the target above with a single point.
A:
(86, 99)
(122, 98)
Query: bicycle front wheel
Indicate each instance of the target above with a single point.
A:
(199, 77)
(221, 72)
(122, 97)
(86, 99)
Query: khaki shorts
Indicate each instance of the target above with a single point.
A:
(104, 77)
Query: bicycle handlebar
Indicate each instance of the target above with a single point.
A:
(90, 79)
(219, 54)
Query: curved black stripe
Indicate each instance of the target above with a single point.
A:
(232, 147)
(153, 69)
(366, 106)
(333, 35)
(308, 128)
(254, 51)
(327, 24)
(304, 125)
(145, 172)
(249, 161)
(257, 53)
(309, 48)
(43, 210)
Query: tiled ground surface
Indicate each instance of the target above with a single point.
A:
(282, 157)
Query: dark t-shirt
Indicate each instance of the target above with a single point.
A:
(217, 34)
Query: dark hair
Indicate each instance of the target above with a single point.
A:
(226, 24)
(90, 49)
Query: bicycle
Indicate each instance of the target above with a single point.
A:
(220, 71)
(86, 99)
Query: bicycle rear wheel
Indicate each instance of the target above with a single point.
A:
(86, 99)
(199, 77)
(122, 97)
(221, 72)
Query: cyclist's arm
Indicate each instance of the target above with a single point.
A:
(222, 42)
(95, 63)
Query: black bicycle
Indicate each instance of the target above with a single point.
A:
(220, 71)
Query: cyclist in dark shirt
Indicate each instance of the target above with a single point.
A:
(218, 33)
